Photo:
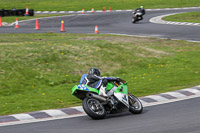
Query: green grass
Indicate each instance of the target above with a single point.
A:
(38, 71)
(184, 17)
(68, 5)
(10, 19)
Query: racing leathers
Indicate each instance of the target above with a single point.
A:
(98, 83)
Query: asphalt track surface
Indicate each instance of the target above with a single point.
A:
(114, 22)
(177, 117)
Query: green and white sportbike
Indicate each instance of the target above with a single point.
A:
(118, 99)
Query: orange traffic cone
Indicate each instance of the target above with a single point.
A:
(96, 29)
(16, 24)
(26, 13)
(0, 22)
(62, 28)
(110, 9)
(92, 10)
(37, 27)
(83, 11)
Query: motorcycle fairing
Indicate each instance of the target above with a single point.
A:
(122, 98)
(80, 91)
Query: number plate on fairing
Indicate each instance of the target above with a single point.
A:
(123, 98)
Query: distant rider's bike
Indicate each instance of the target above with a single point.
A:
(137, 17)
(97, 106)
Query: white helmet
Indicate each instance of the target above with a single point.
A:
(141, 7)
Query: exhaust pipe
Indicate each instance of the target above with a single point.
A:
(102, 99)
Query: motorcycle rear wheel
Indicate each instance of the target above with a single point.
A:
(94, 108)
(135, 104)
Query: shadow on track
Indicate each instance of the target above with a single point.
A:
(123, 114)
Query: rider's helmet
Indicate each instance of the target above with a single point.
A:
(141, 7)
(94, 71)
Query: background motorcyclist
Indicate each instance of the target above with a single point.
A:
(141, 10)
(94, 80)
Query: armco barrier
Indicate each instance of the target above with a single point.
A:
(15, 12)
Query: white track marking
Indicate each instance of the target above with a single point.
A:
(157, 98)
(159, 20)
(22, 116)
(54, 113)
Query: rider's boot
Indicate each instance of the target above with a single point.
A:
(102, 91)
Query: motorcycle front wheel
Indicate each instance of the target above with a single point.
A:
(133, 20)
(94, 108)
(135, 104)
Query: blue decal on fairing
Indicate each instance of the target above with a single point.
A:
(97, 85)
(124, 98)
(109, 78)
(83, 87)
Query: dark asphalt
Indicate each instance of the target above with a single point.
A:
(116, 22)
(177, 117)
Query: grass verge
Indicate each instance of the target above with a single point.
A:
(37, 71)
(10, 19)
(193, 17)
(77, 5)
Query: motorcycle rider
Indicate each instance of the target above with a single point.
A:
(141, 10)
(94, 80)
